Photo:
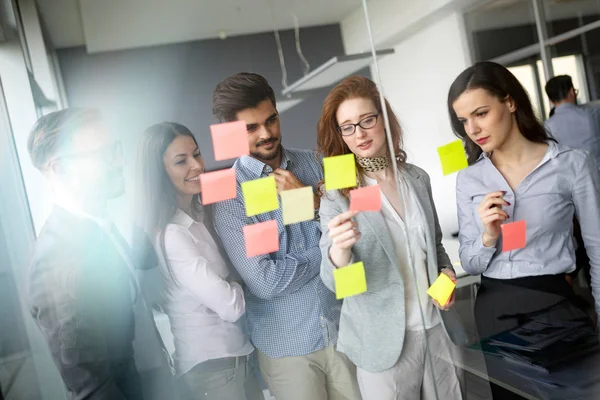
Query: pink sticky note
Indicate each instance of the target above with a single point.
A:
(514, 235)
(230, 140)
(261, 238)
(218, 186)
(365, 199)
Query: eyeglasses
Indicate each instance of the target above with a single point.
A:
(365, 123)
(108, 154)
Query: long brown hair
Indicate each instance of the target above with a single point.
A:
(501, 83)
(330, 142)
(156, 197)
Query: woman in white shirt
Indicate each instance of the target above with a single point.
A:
(200, 297)
(390, 330)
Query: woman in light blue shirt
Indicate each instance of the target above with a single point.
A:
(517, 172)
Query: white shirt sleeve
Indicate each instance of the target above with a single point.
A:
(192, 270)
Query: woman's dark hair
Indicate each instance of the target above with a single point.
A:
(239, 92)
(156, 198)
(501, 83)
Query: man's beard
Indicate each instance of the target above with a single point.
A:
(267, 156)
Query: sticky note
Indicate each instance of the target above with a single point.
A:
(350, 280)
(365, 199)
(442, 289)
(218, 186)
(260, 196)
(297, 205)
(514, 235)
(230, 140)
(261, 238)
(453, 157)
(340, 172)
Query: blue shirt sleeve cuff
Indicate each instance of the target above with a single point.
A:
(481, 249)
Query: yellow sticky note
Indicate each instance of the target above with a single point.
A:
(340, 172)
(297, 205)
(260, 196)
(442, 289)
(350, 280)
(453, 157)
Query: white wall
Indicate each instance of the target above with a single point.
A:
(389, 18)
(416, 79)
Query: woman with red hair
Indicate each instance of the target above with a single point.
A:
(391, 330)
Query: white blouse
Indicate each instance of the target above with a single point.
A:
(408, 236)
(201, 301)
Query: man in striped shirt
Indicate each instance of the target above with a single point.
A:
(293, 318)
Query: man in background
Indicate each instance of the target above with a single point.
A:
(572, 125)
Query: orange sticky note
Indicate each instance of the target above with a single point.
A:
(442, 289)
(350, 280)
(297, 205)
(218, 186)
(230, 140)
(365, 199)
(514, 235)
(340, 172)
(453, 157)
(261, 238)
(260, 196)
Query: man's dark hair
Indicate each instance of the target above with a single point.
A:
(558, 88)
(53, 132)
(239, 92)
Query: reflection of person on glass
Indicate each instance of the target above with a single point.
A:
(518, 173)
(385, 331)
(212, 354)
(293, 318)
(81, 281)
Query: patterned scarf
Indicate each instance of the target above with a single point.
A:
(373, 164)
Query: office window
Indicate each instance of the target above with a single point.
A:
(567, 65)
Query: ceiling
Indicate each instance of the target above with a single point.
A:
(104, 25)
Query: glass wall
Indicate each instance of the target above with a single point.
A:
(568, 30)
(270, 290)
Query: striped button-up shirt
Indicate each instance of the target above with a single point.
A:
(564, 184)
(290, 311)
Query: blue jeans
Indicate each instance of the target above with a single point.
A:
(211, 381)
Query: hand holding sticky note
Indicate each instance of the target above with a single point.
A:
(340, 172)
(453, 157)
(442, 289)
(365, 199)
(261, 238)
(514, 235)
(218, 186)
(230, 140)
(297, 205)
(260, 196)
(350, 280)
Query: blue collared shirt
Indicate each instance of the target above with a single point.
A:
(290, 311)
(564, 184)
(576, 127)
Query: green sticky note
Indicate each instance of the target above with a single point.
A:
(442, 289)
(350, 280)
(340, 172)
(297, 205)
(260, 196)
(453, 157)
